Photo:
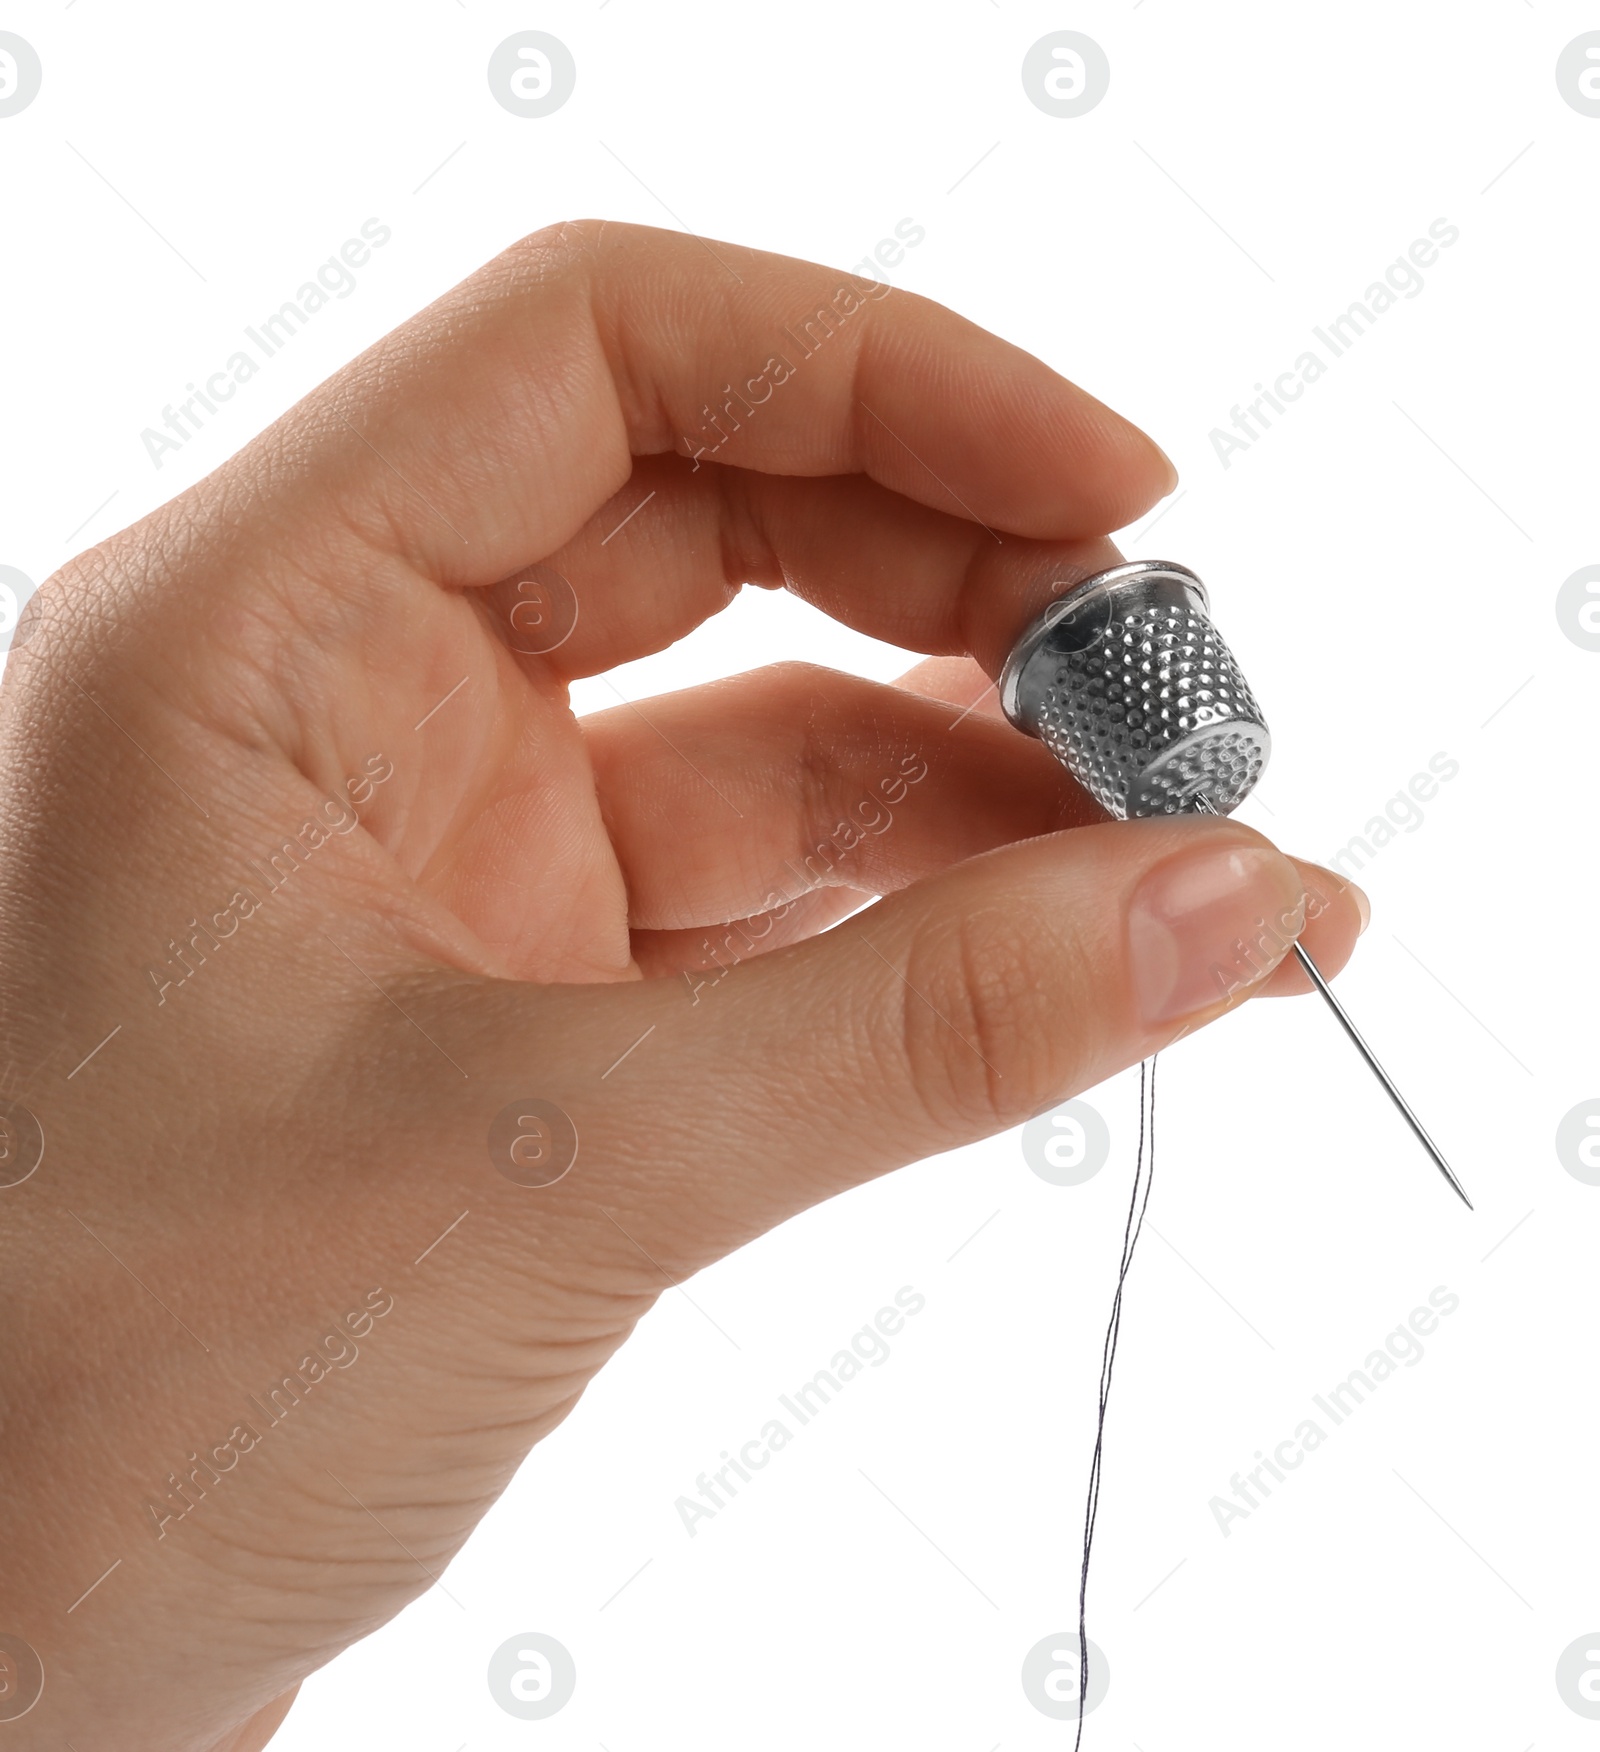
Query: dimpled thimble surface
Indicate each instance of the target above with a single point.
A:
(1129, 685)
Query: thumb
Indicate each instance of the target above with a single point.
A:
(712, 1108)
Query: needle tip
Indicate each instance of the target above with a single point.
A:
(1461, 1191)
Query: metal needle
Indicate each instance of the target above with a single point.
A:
(1314, 973)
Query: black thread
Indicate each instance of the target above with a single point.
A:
(1143, 1175)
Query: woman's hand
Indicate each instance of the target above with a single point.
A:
(329, 935)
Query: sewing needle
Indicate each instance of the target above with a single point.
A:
(1314, 974)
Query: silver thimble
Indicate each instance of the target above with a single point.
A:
(1129, 685)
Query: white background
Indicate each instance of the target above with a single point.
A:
(1385, 561)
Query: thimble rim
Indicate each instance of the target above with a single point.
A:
(1099, 584)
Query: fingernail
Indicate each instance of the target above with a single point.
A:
(1207, 923)
(1363, 905)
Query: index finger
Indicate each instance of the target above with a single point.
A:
(483, 434)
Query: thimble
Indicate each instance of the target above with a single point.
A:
(1129, 685)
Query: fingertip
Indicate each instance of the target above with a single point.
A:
(1359, 895)
(1033, 452)
(1123, 475)
(1337, 912)
(1156, 472)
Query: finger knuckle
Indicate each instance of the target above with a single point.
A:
(563, 247)
(982, 1028)
(793, 689)
(798, 679)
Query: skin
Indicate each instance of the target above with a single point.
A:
(274, 1142)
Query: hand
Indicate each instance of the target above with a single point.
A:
(313, 884)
